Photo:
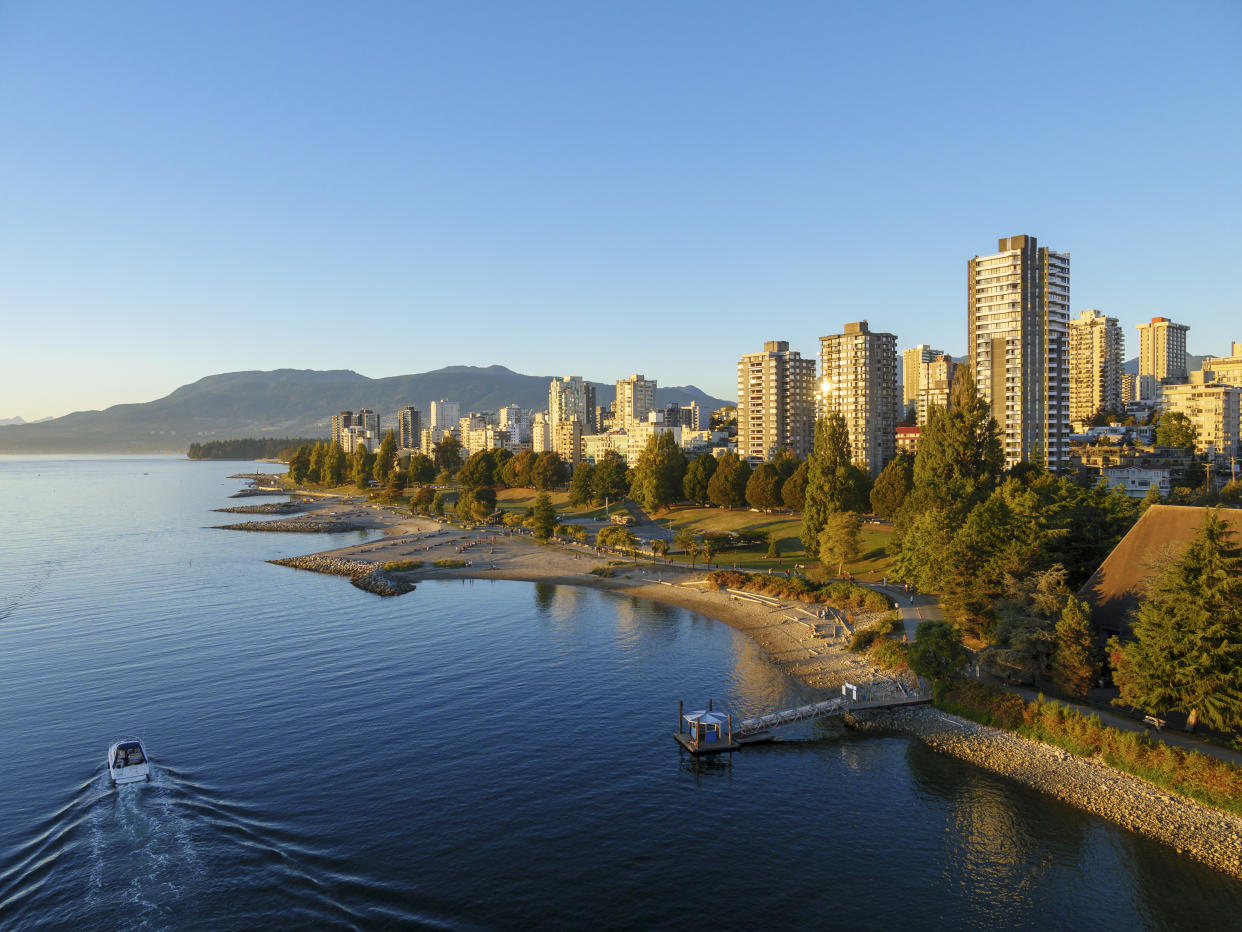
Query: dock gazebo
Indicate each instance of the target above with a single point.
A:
(705, 732)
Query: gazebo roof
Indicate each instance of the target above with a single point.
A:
(706, 717)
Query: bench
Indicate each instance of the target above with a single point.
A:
(1153, 720)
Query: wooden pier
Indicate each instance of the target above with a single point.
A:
(707, 732)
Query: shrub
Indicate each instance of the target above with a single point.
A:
(401, 566)
(449, 563)
(604, 572)
(863, 638)
(891, 655)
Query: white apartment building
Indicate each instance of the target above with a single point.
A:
(1136, 480)
(1162, 354)
(541, 433)
(1017, 318)
(567, 440)
(858, 380)
(1096, 355)
(636, 398)
(596, 446)
(445, 414)
(775, 402)
(1215, 408)
(572, 397)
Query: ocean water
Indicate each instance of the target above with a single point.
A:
(469, 755)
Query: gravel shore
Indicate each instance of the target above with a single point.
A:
(1192, 829)
(297, 526)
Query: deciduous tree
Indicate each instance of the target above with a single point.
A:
(581, 485)
(699, 473)
(656, 480)
(793, 490)
(840, 540)
(447, 454)
(763, 488)
(611, 477)
(1175, 430)
(727, 486)
(548, 471)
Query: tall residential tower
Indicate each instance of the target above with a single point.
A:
(1162, 354)
(775, 406)
(1095, 361)
(858, 379)
(1018, 315)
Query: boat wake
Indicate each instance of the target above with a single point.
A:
(166, 853)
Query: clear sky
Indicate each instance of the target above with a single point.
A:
(588, 188)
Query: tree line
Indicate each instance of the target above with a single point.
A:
(249, 448)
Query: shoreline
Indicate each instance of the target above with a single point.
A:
(1210, 836)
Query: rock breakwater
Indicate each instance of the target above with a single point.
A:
(296, 526)
(370, 577)
(250, 493)
(1193, 829)
(267, 508)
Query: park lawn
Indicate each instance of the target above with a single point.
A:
(785, 528)
(875, 563)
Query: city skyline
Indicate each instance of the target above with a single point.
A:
(505, 188)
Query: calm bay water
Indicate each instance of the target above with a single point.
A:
(470, 755)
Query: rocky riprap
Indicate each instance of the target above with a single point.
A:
(249, 493)
(370, 577)
(267, 508)
(296, 526)
(1193, 829)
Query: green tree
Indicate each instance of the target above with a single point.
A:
(479, 470)
(610, 480)
(698, 474)
(786, 462)
(893, 485)
(543, 518)
(447, 454)
(840, 540)
(793, 491)
(421, 469)
(1186, 654)
(299, 464)
(385, 458)
(828, 478)
(476, 504)
(937, 653)
(548, 471)
(362, 466)
(686, 540)
(707, 547)
(517, 471)
(1175, 430)
(422, 498)
(763, 488)
(332, 472)
(656, 479)
(437, 503)
(774, 548)
(959, 457)
(727, 486)
(1074, 665)
(582, 485)
(314, 471)
(1231, 494)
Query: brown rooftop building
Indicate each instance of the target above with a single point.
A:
(1158, 537)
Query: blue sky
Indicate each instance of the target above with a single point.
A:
(585, 188)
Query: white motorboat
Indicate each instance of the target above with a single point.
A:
(127, 762)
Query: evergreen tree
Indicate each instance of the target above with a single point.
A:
(362, 464)
(385, 458)
(892, 486)
(543, 518)
(656, 480)
(1187, 650)
(314, 471)
(332, 472)
(299, 464)
(763, 488)
(1074, 664)
(959, 455)
(698, 474)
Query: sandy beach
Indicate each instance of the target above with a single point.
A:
(785, 631)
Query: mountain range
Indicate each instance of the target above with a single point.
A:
(291, 403)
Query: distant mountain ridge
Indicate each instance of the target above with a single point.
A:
(290, 403)
(1193, 364)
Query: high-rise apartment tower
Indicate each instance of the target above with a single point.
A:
(1162, 354)
(775, 402)
(1096, 349)
(636, 398)
(858, 379)
(1018, 315)
(411, 427)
